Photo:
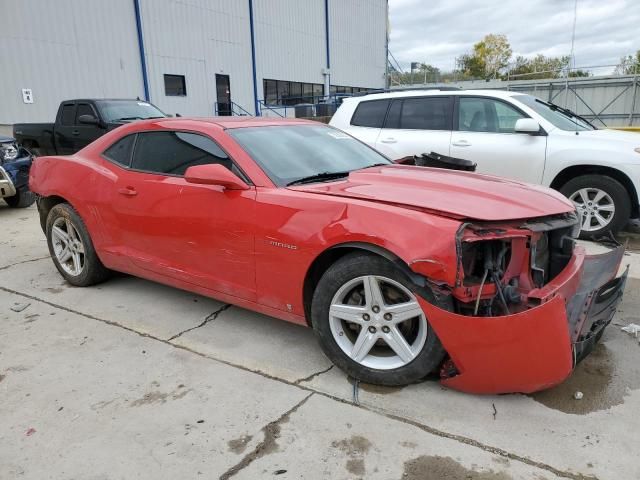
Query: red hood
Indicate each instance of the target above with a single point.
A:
(447, 192)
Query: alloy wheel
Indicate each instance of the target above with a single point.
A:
(377, 322)
(67, 246)
(596, 208)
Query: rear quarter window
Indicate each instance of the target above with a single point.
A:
(120, 152)
(370, 113)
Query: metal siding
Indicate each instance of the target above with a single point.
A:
(66, 49)
(197, 39)
(357, 32)
(290, 40)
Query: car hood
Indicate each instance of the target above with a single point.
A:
(450, 193)
(615, 135)
(5, 139)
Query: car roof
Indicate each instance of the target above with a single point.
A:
(429, 93)
(228, 122)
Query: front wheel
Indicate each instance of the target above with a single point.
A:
(22, 199)
(602, 202)
(370, 324)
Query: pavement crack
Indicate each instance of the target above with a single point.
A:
(268, 444)
(209, 318)
(425, 428)
(24, 261)
(312, 376)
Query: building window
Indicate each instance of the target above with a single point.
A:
(175, 86)
(284, 92)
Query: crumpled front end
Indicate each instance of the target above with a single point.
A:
(527, 306)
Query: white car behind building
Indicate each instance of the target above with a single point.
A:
(511, 135)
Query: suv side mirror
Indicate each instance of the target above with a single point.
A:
(527, 125)
(88, 120)
(214, 174)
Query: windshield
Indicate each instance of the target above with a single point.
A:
(113, 111)
(290, 153)
(559, 117)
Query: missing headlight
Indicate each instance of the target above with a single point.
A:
(478, 257)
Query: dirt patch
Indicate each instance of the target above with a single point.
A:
(2, 377)
(445, 468)
(355, 448)
(160, 397)
(239, 444)
(609, 373)
(54, 290)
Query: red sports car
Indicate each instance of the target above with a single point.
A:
(400, 270)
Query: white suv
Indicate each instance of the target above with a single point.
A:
(511, 135)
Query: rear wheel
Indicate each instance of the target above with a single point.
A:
(71, 248)
(22, 199)
(370, 324)
(602, 202)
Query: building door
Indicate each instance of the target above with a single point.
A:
(223, 94)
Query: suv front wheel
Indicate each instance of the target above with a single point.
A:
(602, 202)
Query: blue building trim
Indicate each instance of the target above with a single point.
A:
(143, 61)
(326, 31)
(256, 103)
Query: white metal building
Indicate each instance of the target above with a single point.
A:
(187, 56)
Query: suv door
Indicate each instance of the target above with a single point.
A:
(484, 133)
(416, 125)
(84, 133)
(200, 234)
(63, 129)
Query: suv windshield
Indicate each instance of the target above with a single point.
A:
(558, 116)
(115, 110)
(295, 153)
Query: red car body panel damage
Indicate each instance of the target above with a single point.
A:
(258, 248)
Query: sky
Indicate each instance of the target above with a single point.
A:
(437, 31)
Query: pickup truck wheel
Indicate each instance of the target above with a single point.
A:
(602, 202)
(370, 324)
(22, 199)
(71, 247)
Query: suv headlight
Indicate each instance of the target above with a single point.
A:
(8, 152)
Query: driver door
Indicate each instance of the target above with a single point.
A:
(200, 234)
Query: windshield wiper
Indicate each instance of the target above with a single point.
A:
(127, 118)
(569, 113)
(318, 177)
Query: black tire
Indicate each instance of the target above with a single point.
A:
(93, 271)
(22, 199)
(344, 270)
(614, 189)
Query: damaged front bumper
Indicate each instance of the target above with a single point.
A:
(539, 347)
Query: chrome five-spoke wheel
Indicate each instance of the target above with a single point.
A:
(67, 246)
(595, 206)
(377, 322)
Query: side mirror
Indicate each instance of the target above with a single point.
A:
(178, 115)
(527, 125)
(214, 174)
(88, 120)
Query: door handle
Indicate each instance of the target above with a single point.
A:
(75, 132)
(128, 191)
(388, 140)
(461, 143)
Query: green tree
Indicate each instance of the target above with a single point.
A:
(629, 65)
(490, 56)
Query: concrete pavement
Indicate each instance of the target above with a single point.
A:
(132, 379)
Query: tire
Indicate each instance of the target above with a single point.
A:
(616, 197)
(82, 266)
(381, 364)
(22, 199)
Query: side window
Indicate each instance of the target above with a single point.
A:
(370, 114)
(426, 113)
(120, 152)
(171, 153)
(486, 115)
(393, 117)
(68, 114)
(83, 109)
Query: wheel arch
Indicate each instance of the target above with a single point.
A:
(332, 254)
(45, 204)
(579, 170)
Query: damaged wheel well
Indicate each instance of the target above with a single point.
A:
(327, 258)
(45, 204)
(578, 170)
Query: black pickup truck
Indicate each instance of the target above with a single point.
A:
(80, 122)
